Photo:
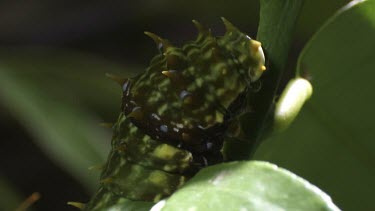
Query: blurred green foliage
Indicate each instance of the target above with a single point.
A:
(10, 198)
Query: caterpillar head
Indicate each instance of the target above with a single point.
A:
(247, 51)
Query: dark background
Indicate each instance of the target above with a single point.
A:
(112, 31)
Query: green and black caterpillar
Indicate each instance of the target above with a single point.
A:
(178, 113)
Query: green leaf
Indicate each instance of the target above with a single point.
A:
(128, 205)
(52, 94)
(332, 142)
(275, 32)
(251, 185)
(276, 28)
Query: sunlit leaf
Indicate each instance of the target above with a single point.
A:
(251, 185)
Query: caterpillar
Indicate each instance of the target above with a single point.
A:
(177, 114)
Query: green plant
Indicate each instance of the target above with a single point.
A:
(332, 132)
